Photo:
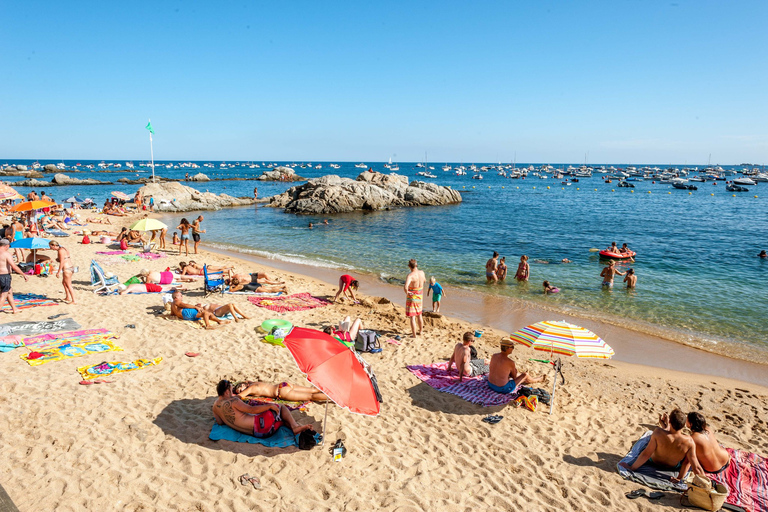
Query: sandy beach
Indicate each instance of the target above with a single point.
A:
(141, 441)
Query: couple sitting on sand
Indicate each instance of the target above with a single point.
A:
(670, 449)
(503, 376)
(260, 420)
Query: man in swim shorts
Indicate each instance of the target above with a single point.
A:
(490, 268)
(503, 376)
(180, 309)
(414, 296)
(255, 282)
(196, 231)
(6, 267)
(608, 274)
(462, 357)
(255, 420)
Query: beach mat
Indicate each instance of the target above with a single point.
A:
(255, 294)
(112, 367)
(647, 474)
(295, 302)
(56, 339)
(9, 343)
(283, 438)
(111, 253)
(68, 352)
(435, 376)
(746, 478)
(292, 406)
(151, 255)
(478, 392)
(28, 300)
(32, 328)
(6, 504)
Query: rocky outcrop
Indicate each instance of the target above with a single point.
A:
(13, 171)
(281, 173)
(175, 197)
(144, 181)
(50, 168)
(63, 179)
(199, 177)
(32, 183)
(370, 191)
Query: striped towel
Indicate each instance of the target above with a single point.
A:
(478, 392)
(434, 375)
(746, 478)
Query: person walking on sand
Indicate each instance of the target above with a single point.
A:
(414, 296)
(184, 227)
(6, 267)
(523, 269)
(196, 231)
(630, 278)
(66, 269)
(437, 294)
(609, 273)
(490, 268)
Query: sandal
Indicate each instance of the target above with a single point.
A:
(246, 479)
(656, 495)
(635, 494)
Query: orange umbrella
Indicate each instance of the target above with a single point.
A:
(27, 206)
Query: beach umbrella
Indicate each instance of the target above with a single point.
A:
(148, 225)
(121, 195)
(334, 369)
(32, 243)
(27, 206)
(563, 339)
(73, 199)
(6, 192)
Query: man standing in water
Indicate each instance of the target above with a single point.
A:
(196, 231)
(6, 266)
(414, 295)
(608, 274)
(490, 268)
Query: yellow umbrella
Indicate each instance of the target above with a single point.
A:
(148, 225)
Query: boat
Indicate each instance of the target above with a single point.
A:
(682, 184)
(736, 188)
(743, 181)
(477, 177)
(624, 184)
(361, 166)
(617, 255)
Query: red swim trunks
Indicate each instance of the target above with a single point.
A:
(266, 423)
(152, 288)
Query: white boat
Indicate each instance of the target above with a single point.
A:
(335, 166)
(361, 166)
(743, 181)
(394, 167)
(447, 168)
(460, 172)
(763, 176)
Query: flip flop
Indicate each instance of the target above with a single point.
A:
(656, 495)
(53, 317)
(492, 419)
(635, 494)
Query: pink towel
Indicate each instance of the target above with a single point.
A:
(435, 375)
(746, 478)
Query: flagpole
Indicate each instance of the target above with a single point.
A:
(151, 152)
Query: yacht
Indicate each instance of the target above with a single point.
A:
(743, 181)
(361, 166)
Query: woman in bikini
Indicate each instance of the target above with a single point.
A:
(184, 227)
(193, 269)
(501, 270)
(523, 269)
(66, 268)
(282, 391)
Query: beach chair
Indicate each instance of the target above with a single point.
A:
(214, 281)
(101, 281)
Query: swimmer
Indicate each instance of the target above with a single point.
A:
(523, 269)
(762, 254)
(549, 288)
(501, 270)
(630, 278)
(491, 267)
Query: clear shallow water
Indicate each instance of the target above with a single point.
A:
(699, 280)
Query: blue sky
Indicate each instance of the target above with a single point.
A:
(623, 82)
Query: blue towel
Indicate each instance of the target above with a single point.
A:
(647, 474)
(283, 438)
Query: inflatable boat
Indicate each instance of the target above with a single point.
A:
(617, 255)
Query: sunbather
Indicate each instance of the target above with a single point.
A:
(462, 358)
(252, 284)
(669, 448)
(259, 277)
(347, 331)
(255, 420)
(712, 457)
(503, 376)
(96, 220)
(165, 277)
(150, 288)
(193, 269)
(224, 310)
(180, 309)
(283, 391)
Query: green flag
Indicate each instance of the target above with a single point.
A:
(149, 127)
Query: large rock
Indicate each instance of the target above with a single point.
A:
(281, 173)
(370, 191)
(50, 168)
(12, 171)
(21, 167)
(32, 183)
(63, 179)
(175, 197)
(199, 177)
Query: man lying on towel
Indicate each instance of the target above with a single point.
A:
(283, 391)
(503, 376)
(670, 449)
(462, 358)
(185, 311)
(255, 420)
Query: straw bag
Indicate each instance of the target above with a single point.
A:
(702, 494)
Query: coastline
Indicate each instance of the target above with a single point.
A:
(509, 315)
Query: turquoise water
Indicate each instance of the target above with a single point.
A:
(699, 280)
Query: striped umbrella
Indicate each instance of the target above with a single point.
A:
(6, 192)
(121, 195)
(564, 339)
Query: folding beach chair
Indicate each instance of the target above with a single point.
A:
(101, 281)
(214, 281)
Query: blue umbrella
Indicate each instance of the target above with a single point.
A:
(32, 243)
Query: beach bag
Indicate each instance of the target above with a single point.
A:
(542, 395)
(308, 439)
(701, 492)
(86, 239)
(367, 341)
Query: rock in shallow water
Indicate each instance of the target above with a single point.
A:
(175, 197)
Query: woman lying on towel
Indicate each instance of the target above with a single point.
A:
(283, 391)
(193, 269)
(149, 288)
(165, 277)
(253, 283)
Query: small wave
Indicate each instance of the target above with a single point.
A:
(289, 258)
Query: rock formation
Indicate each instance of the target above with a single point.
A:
(175, 197)
(63, 179)
(370, 191)
(199, 177)
(281, 173)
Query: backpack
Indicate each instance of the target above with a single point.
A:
(367, 341)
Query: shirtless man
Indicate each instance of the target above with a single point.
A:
(253, 283)
(630, 278)
(608, 274)
(462, 357)
(180, 309)
(220, 310)
(193, 269)
(254, 420)
(6, 267)
(414, 296)
(614, 248)
(490, 268)
(503, 376)
(259, 277)
(196, 231)
(669, 448)
(712, 457)
(283, 391)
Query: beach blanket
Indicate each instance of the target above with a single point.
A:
(151, 255)
(110, 368)
(36, 358)
(293, 406)
(130, 257)
(56, 232)
(9, 343)
(746, 478)
(647, 474)
(111, 253)
(32, 328)
(435, 375)
(283, 438)
(51, 340)
(296, 302)
(255, 294)
(28, 300)
(478, 392)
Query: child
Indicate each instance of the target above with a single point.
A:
(549, 289)
(437, 294)
(176, 240)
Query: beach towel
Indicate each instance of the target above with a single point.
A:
(151, 255)
(130, 257)
(56, 232)
(52, 340)
(435, 375)
(110, 368)
(255, 294)
(33, 328)
(647, 474)
(111, 253)
(296, 302)
(8, 343)
(197, 324)
(293, 406)
(283, 438)
(746, 478)
(36, 358)
(28, 300)
(478, 392)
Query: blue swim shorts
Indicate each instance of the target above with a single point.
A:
(506, 389)
(189, 313)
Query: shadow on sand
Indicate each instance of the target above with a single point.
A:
(430, 399)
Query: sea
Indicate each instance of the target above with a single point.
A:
(700, 281)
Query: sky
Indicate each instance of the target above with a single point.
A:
(525, 81)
